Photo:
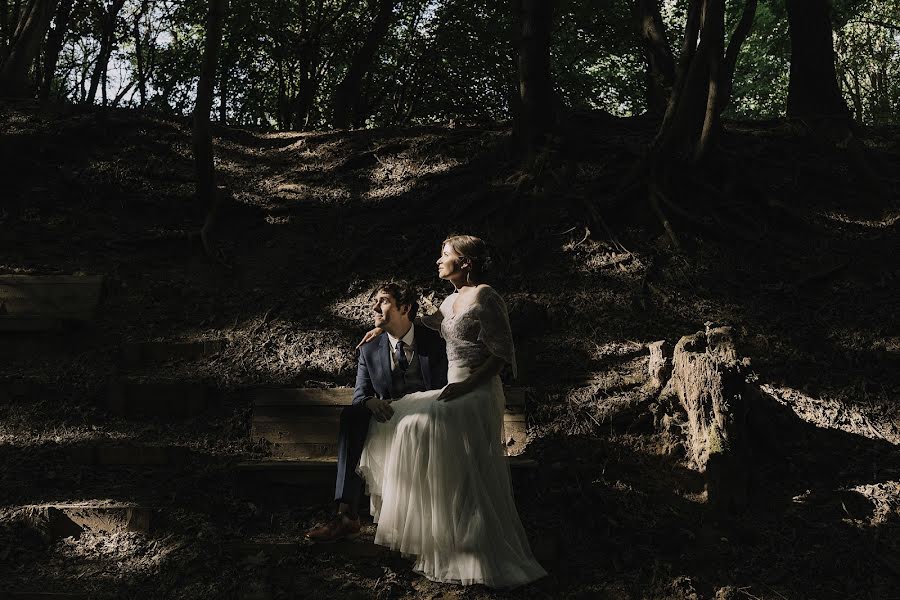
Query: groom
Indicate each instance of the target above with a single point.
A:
(407, 359)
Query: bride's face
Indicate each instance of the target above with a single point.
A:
(448, 263)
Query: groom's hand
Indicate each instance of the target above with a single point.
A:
(381, 409)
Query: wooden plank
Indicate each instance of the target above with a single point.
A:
(19, 389)
(328, 467)
(297, 481)
(156, 399)
(20, 595)
(305, 451)
(15, 324)
(516, 397)
(515, 435)
(140, 353)
(342, 396)
(303, 436)
(293, 397)
(127, 455)
(53, 296)
(310, 431)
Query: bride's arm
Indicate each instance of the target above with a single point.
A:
(489, 369)
(429, 321)
(432, 321)
(370, 335)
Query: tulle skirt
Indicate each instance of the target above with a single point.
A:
(440, 488)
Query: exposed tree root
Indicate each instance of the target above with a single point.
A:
(654, 195)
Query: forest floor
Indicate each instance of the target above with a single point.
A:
(810, 281)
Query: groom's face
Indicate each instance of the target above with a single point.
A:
(385, 310)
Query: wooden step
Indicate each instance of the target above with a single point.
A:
(16, 324)
(314, 479)
(39, 303)
(141, 353)
(19, 595)
(57, 521)
(303, 423)
(128, 398)
(516, 397)
(18, 390)
(127, 455)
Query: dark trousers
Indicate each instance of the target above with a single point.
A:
(351, 439)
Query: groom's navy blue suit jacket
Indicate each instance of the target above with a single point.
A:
(373, 371)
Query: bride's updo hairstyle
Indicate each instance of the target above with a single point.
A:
(474, 249)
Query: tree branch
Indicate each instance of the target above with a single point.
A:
(737, 40)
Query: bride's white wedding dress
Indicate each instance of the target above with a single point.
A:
(436, 471)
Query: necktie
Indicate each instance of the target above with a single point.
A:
(400, 356)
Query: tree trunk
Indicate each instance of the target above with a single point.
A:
(223, 95)
(535, 85)
(282, 106)
(4, 29)
(202, 135)
(301, 107)
(692, 117)
(726, 79)
(347, 101)
(283, 111)
(104, 79)
(107, 43)
(55, 39)
(33, 22)
(708, 384)
(657, 53)
(813, 91)
(139, 54)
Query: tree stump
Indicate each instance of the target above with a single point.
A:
(708, 381)
(660, 367)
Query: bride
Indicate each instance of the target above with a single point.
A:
(436, 471)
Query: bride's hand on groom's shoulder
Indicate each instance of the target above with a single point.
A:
(370, 335)
(455, 390)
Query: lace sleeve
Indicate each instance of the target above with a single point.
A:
(495, 330)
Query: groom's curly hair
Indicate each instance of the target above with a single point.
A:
(403, 294)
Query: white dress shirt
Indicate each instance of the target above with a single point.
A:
(408, 349)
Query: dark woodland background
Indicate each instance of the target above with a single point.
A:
(241, 174)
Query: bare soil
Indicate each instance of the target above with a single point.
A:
(806, 272)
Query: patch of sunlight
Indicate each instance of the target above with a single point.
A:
(390, 191)
(235, 168)
(399, 168)
(831, 413)
(281, 135)
(18, 437)
(357, 308)
(884, 496)
(888, 221)
(297, 189)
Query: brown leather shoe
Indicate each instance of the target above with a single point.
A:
(339, 528)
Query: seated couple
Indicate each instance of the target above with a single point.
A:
(424, 432)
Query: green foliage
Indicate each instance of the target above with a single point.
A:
(761, 73)
(596, 58)
(449, 59)
(867, 50)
